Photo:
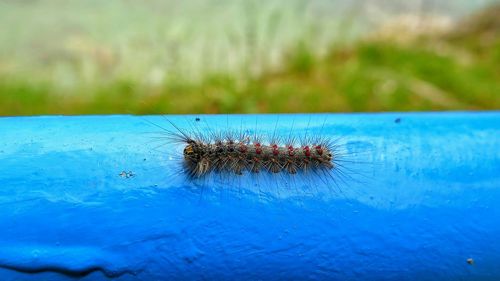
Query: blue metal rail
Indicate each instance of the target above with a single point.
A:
(99, 198)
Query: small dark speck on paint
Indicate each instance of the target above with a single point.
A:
(126, 175)
(197, 119)
(397, 120)
(470, 261)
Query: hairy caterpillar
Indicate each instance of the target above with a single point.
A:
(288, 155)
(245, 154)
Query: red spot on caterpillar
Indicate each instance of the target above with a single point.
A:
(319, 150)
(275, 149)
(307, 152)
(258, 150)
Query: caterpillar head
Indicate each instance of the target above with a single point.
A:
(192, 151)
(196, 160)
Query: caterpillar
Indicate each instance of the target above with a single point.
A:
(286, 155)
(244, 154)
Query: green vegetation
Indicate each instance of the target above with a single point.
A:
(456, 70)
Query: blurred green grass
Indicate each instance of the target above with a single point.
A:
(455, 70)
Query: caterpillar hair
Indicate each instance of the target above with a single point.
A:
(232, 153)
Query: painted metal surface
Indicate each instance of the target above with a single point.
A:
(95, 198)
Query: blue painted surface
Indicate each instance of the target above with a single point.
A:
(429, 200)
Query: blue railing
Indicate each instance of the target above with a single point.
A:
(102, 197)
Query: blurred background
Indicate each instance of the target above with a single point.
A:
(248, 56)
